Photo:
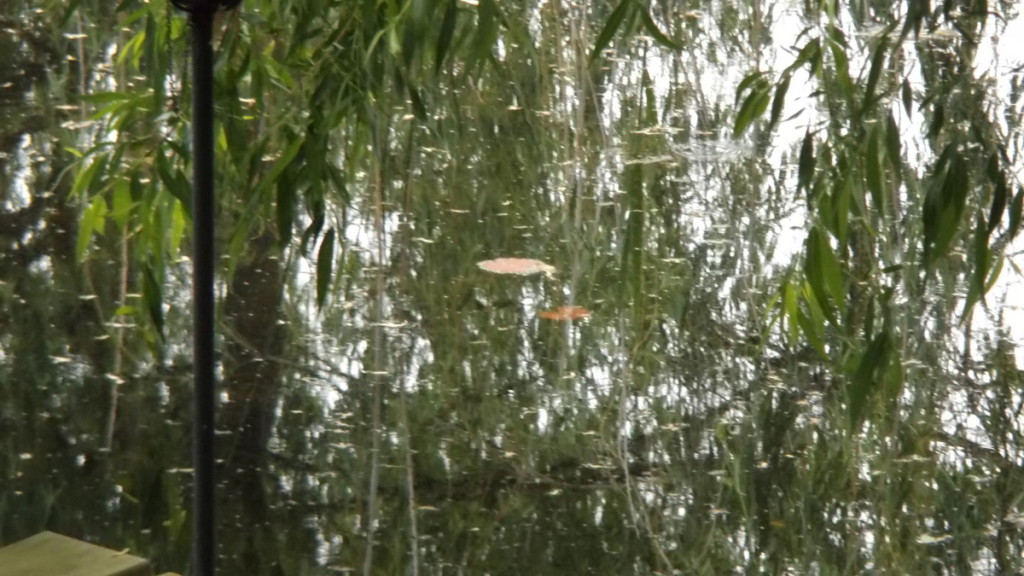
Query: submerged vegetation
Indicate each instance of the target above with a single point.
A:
(791, 226)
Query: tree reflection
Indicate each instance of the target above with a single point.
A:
(771, 377)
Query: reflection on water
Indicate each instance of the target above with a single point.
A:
(566, 330)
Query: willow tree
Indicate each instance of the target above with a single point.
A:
(907, 167)
(738, 398)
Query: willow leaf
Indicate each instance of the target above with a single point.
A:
(805, 168)
(837, 45)
(121, 204)
(175, 182)
(824, 272)
(83, 181)
(907, 95)
(324, 266)
(92, 222)
(1015, 212)
(938, 121)
(981, 260)
(873, 172)
(944, 204)
(778, 102)
(809, 54)
(445, 34)
(893, 149)
(750, 82)
(812, 322)
(999, 195)
(865, 382)
(282, 163)
(877, 63)
(625, 10)
(317, 215)
(488, 18)
(755, 105)
(655, 32)
(152, 296)
(844, 205)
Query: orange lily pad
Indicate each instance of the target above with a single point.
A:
(564, 313)
(520, 266)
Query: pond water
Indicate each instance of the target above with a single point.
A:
(669, 380)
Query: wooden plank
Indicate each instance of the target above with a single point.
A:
(50, 554)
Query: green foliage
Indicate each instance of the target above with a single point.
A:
(324, 267)
(944, 204)
(824, 275)
(872, 368)
(794, 360)
(626, 18)
(854, 192)
(758, 90)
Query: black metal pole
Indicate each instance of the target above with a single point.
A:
(203, 526)
(204, 545)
